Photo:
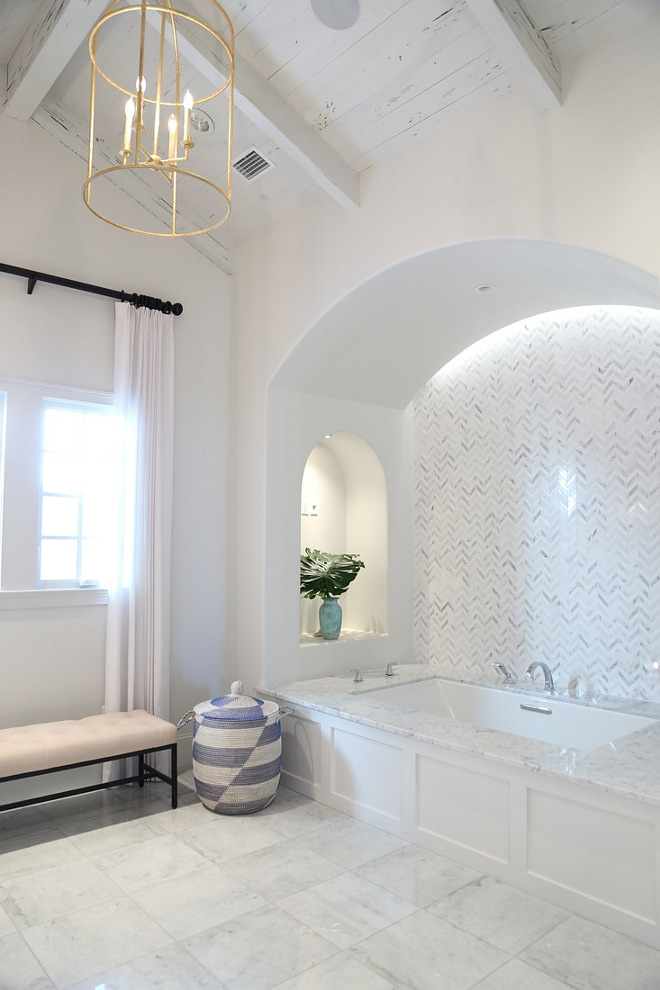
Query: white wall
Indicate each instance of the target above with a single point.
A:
(585, 175)
(51, 660)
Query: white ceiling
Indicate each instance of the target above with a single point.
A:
(322, 105)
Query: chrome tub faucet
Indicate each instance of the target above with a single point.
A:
(389, 672)
(504, 671)
(535, 665)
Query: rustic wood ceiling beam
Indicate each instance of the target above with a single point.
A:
(512, 31)
(281, 123)
(55, 33)
(61, 26)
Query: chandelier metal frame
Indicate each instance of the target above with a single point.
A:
(149, 148)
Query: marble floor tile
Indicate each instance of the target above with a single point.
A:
(351, 843)
(340, 971)
(346, 909)
(19, 970)
(94, 840)
(199, 900)
(100, 805)
(154, 792)
(120, 811)
(139, 865)
(282, 869)
(173, 820)
(517, 975)
(30, 855)
(500, 914)
(587, 956)
(78, 945)
(171, 968)
(424, 952)
(417, 874)
(35, 898)
(259, 950)
(293, 815)
(296, 897)
(7, 926)
(222, 837)
(23, 821)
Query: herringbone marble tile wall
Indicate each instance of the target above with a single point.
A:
(537, 516)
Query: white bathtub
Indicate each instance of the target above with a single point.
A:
(564, 806)
(548, 719)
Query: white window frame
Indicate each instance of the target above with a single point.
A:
(21, 496)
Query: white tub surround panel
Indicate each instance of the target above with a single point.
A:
(537, 516)
(581, 829)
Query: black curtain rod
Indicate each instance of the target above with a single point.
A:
(137, 300)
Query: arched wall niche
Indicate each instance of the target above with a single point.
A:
(343, 509)
(358, 368)
(383, 340)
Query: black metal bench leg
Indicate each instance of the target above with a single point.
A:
(173, 773)
(141, 773)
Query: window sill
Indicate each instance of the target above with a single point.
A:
(52, 598)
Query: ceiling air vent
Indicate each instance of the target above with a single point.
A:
(252, 163)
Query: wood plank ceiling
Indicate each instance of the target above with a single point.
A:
(321, 105)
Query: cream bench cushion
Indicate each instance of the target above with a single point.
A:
(27, 748)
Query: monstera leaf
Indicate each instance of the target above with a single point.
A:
(327, 575)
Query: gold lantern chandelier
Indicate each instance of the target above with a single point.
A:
(147, 80)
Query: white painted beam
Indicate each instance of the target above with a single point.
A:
(54, 34)
(266, 108)
(510, 28)
(279, 122)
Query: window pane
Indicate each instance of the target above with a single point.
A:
(93, 558)
(59, 560)
(99, 434)
(62, 473)
(59, 516)
(63, 430)
(78, 469)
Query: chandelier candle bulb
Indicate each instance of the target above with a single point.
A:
(188, 104)
(172, 128)
(129, 111)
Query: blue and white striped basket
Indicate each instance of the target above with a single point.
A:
(237, 753)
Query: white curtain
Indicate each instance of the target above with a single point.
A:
(137, 639)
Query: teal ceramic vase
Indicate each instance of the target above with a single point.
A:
(330, 618)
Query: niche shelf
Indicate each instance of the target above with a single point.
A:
(344, 510)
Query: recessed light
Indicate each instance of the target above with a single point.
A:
(485, 288)
(201, 121)
(336, 14)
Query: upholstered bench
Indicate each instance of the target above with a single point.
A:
(32, 750)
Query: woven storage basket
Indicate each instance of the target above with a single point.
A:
(237, 753)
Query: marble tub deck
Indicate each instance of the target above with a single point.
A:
(627, 767)
(118, 891)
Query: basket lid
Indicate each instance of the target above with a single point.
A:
(236, 708)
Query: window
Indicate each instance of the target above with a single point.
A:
(77, 493)
(56, 486)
